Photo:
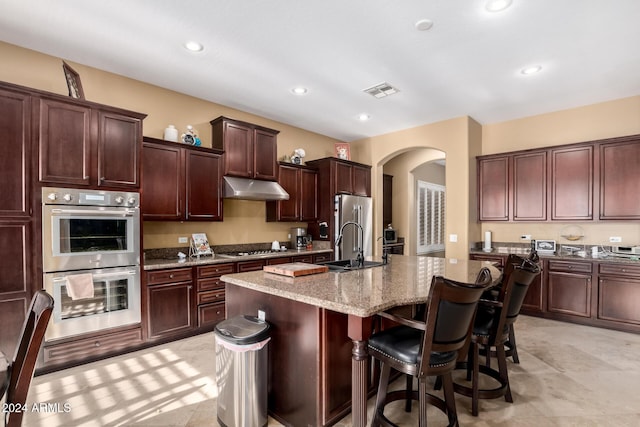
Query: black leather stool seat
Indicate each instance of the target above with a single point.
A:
(402, 343)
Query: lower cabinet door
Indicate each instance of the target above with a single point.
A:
(618, 299)
(569, 293)
(170, 309)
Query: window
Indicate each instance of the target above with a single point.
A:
(430, 217)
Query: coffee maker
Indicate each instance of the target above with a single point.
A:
(298, 238)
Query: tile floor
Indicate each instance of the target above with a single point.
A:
(569, 375)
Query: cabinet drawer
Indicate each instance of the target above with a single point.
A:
(281, 260)
(321, 258)
(497, 260)
(210, 284)
(570, 266)
(250, 266)
(620, 269)
(211, 296)
(81, 349)
(210, 314)
(215, 270)
(303, 258)
(168, 276)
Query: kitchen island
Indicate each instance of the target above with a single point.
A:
(320, 324)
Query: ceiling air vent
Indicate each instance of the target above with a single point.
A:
(381, 90)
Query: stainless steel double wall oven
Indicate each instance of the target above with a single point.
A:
(91, 239)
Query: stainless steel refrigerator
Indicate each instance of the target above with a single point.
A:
(357, 209)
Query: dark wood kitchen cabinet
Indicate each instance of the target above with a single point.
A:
(211, 294)
(571, 183)
(18, 216)
(180, 183)
(88, 145)
(250, 150)
(619, 293)
(530, 186)
(302, 185)
(337, 176)
(619, 178)
(170, 302)
(513, 187)
(569, 288)
(493, 189)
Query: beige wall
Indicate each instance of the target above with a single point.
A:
(244, 221)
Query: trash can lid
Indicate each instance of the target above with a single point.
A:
(243, 329)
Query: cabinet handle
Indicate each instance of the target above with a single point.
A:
(624, 270)
(171, 276)
(97, 344)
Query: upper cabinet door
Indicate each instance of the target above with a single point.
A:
(530, 187)
(15, 153)
(118, 150)
(572, 183)
(619, 178)
(265, 153)
(65, 143)
(493, 189)
(203, 177)
(162, 182)
(238, 147)
(344, 178)
(361, 180)
(308, 195)
(288, 210)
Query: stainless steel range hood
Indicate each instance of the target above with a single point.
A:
(253, 189)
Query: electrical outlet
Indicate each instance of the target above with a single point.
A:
(183, 240)
(615, 239)
(453, 238)
(525, 237)
(262, 315)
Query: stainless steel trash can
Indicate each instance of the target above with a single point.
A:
(241, 371)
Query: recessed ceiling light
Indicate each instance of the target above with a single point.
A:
(497, 5)
(299, 90)
(363, 117)
(424, 24)
(531, 70)
(193, 46)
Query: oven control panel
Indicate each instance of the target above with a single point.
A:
(82, 197)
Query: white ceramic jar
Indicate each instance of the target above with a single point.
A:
(171, 133)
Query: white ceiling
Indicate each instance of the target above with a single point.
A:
(256, 51)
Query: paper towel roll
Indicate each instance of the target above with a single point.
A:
(487, 240)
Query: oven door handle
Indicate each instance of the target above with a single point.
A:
(99, 275)
(126, 212)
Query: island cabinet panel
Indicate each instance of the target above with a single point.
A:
(530, 186)
(619, 177)
(619, 293)
(169, 302)
(572, 174)
(250, 150)
(309, 358)
(569, 288)
(493, 189)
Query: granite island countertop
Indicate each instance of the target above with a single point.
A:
(404, 280)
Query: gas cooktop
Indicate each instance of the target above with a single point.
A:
(244, 254)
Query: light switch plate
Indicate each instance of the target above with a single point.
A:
(615, 239)
(453, 237)
(183, 240)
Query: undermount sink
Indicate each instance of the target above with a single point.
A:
(349, 265)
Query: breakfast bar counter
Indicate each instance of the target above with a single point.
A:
(321, 322)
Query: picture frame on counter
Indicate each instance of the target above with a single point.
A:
(73, 81)
(545, 246)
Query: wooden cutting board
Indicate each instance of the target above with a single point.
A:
(295, 269)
